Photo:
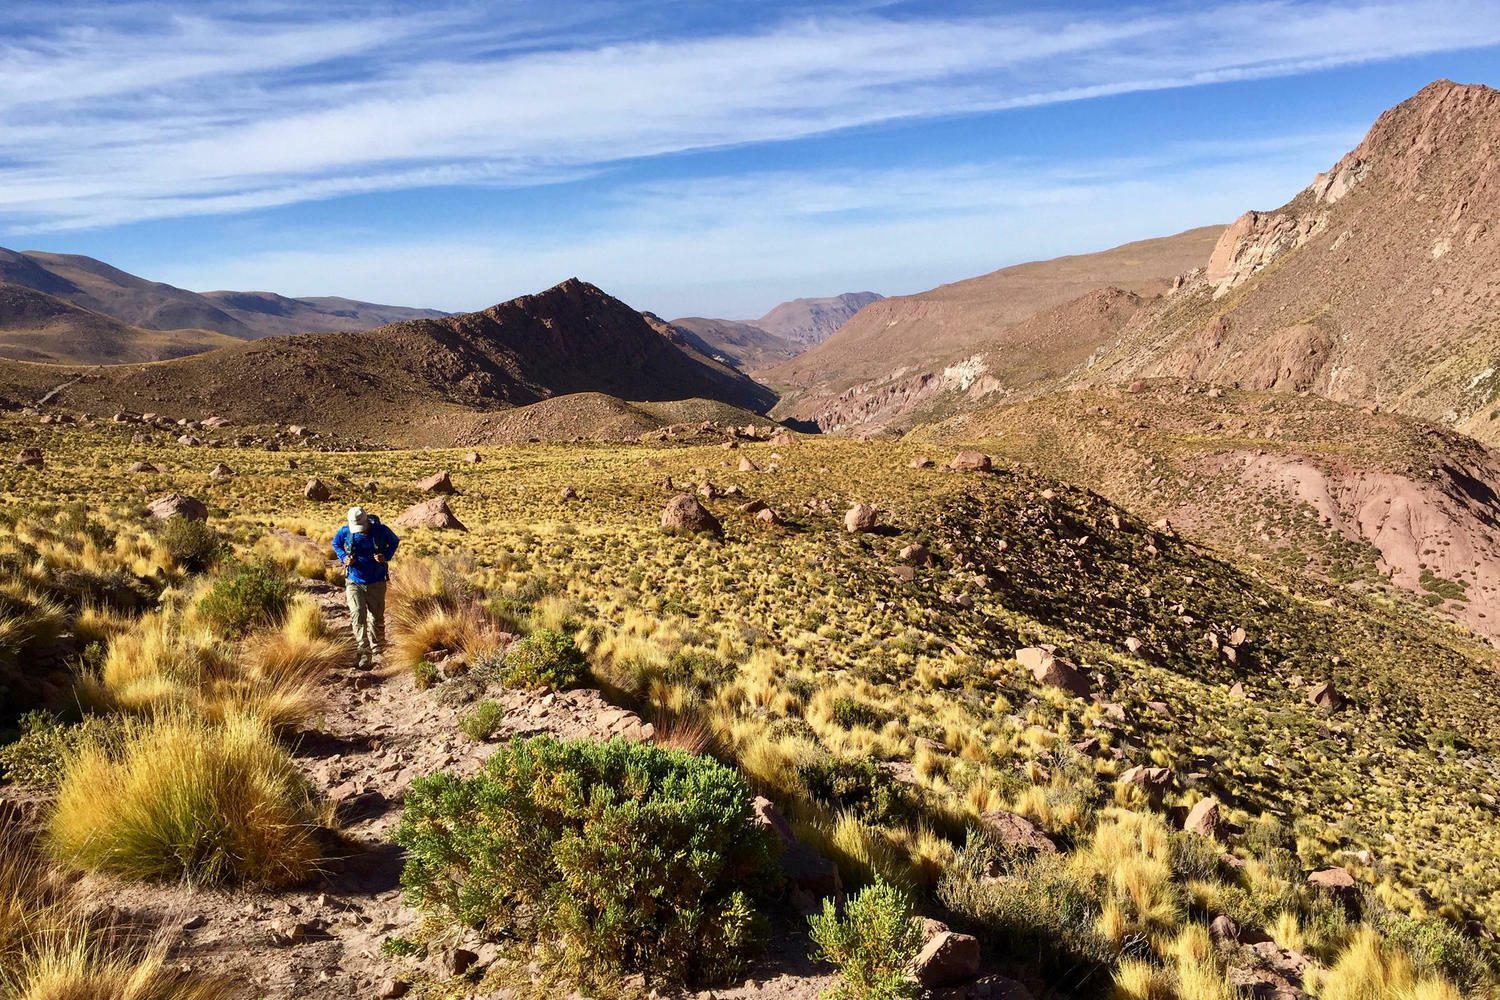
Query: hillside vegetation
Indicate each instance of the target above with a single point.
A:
(881, 686)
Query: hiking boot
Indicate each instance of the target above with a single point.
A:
(364, 662)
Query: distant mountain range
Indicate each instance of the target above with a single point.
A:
(419, 381)
(781, 334)
(68, 308)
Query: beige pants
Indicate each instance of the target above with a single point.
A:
(367, 611)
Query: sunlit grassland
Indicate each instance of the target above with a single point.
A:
(807, 657)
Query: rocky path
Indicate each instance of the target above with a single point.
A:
(377, 735)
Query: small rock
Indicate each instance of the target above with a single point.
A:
(970, 461)
(317, 490)
(861, 518)
(438, 482)
(948, 958)
(1203, 819)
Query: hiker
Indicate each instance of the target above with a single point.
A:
(365, 547)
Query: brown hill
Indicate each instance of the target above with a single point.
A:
(920, 336)
(408, 382)
(267, 314)
(152, 305)
(743, 345)
(812, 321)
(1377, 284)
(778, 336)
(39, 327)
(1377, 502)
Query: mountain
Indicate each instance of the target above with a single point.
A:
(780, 335)
(151, 305)
(743, 345)
(1376, 285)
(812, 321)
(409, 382)
(35, 326)
(268, 314)
(901, 346)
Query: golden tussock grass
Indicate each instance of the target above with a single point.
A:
(50, 950)
(181, 797)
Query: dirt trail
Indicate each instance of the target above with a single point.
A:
(323, 940)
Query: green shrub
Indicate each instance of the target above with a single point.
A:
(859, 786)
(1040, 909)
(849, 713)
(544, 659)
(246, 595)
(480, 724)
(37, 757)
(872, 944)
(628, 857)
(193, 545)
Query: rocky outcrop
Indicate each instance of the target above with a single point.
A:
(434, 514)
(178, 505)
(684, 515)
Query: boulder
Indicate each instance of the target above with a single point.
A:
(433, 514)
(746, 465)
(971, 461)
(1326, 697)
(1224, 928)
(178, 505)
(684, 515)
(1338, 883)
(811, 872)
(1155, 780)
(921, 463)
(472, 458)
(946, 959)
(142, 467)
(189, 441)
(568, 493)
(753, 507)
(30, 458)
(1203, 819)
(1054, 671)
(1011, 830)
(438, 482)
(214, 423)
(220, 471)
(916, 554)
(768, 518)
(860, 518)
(767, 815)
(317, 490)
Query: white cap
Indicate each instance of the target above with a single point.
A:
(357, 516)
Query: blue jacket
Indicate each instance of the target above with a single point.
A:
(359, 549)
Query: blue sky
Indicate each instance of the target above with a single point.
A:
(692, 158)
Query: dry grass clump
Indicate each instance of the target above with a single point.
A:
(432, 608)
(174, 660)
(181, 797)
(49, 950)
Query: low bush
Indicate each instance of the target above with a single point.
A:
(872, 944)
(544, 659)
(627, 857)
(859, 786)
(480, 724)
(37, 757)
(193, 545)
(179, 797)
(246, 595)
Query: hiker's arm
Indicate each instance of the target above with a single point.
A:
(340, 552)
(388, 549)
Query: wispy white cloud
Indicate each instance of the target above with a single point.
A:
(150, 114)
(737, 244)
